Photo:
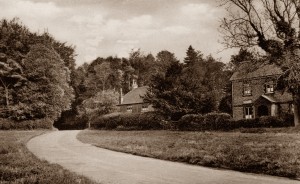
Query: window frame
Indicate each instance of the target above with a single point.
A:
(266, 88)
(129, 108)
(247, 109)
(247, 89)
(145, 107)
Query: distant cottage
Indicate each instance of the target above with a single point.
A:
(132, 102)
(254, 94)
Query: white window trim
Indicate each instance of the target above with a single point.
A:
(269, 88)
(247, 112)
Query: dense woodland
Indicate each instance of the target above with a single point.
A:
(39, 79)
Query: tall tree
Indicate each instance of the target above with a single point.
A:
(273, 26)
(242, 56)
(47, 92)
(164, 59)
(192, 56)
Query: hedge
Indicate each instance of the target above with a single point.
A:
(189, 122)
(135, 121)
(7, 124)
(223, 121)
(210, 121)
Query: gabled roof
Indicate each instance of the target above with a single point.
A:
(282, 98)
(134, 96)
(246, 70)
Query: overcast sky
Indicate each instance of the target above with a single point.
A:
(100, 28)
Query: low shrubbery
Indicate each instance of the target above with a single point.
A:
(142, 121)
(189, 122)
(7, 124)
(210, 121)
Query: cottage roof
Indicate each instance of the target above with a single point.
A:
(134, 96)
(282, 98)
(247, 71)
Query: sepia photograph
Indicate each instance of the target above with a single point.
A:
(149, 91)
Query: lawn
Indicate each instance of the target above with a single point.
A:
(18, 165)
(270, 153)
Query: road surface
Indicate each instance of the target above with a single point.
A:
(112, 167)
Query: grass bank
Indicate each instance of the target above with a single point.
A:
(269, 153)
(18, 165)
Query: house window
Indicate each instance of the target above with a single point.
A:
(129, 108)
(269, 88)
(145, 107)
(248, 111)
(247, 89)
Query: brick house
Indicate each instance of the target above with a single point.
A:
(132, 102)
(254, 94)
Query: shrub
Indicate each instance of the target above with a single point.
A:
(142, 121)
(189, 122)
(217, 121)
(7, 124)
(288, 119)
(244, 123)
(109, 121)
(210, 121)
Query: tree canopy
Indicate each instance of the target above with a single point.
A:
(35, 73)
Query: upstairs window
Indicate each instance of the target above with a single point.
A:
(248, 112)
(247, 89)
(269, 88)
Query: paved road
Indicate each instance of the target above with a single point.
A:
(106, 166)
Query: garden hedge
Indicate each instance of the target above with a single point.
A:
(7, 124)
(189, 122)
(134, 121)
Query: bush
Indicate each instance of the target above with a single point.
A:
(217, 121)
(189, 122)
(244, 123)
(142, 121)
(7, 124)
(210, 121)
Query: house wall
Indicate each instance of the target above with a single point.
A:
(257, 88)
(136, 108)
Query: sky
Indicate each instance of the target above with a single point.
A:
(102, 28)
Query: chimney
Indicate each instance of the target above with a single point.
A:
(134, 84)
(121, 96)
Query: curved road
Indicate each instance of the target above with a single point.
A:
(106, 166)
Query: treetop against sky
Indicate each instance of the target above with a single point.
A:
(115, 27)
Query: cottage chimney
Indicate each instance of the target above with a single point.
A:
(121, 96)
(134, 83)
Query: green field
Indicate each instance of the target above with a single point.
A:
(18, 165)
(268, 153)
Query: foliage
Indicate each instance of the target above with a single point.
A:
(32, 63)
(190, 88)
(139, 121)
(210, 121)
(102, 103)
(242, 56)
(48, 79)
(6, 124)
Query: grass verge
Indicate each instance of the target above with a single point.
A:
(268, 153)
(18, 165)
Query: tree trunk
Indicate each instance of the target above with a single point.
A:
(296, 114)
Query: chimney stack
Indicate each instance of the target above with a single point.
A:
(121, 96)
